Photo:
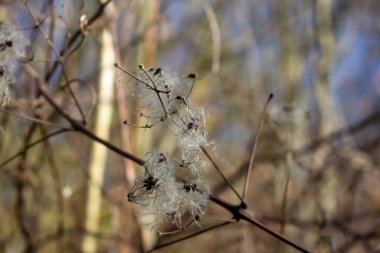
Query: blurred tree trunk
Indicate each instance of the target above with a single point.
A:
(328, 120)
(325, 36)
(99, 152)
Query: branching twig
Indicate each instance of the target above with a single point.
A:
(239, 214)
(74, 38)
(59, 56)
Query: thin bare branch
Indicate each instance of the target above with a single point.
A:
(239, 214)
(59, 56)
(156, 90)
(255, 143)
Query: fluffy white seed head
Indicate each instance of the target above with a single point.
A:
(159, 193)
(193, 162)
(194, 199)
(13, 44)
(6, 79)
(189, 126)
(159, 93)
(163, 97)
(156, 187)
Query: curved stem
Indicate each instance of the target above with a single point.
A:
(255, 143)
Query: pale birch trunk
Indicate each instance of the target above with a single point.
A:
(99, 152)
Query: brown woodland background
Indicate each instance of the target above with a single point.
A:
(316, 175)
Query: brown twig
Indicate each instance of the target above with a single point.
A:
(78, 126)
(74, 37)
(239, 214)
(59, 56)
(251, 160)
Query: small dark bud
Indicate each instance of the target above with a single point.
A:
(287, 108)
(9, 43)
(171, 213)
(186, 187)
(243, 205)
(129, 197)
(158, 71)
(162, 158)
(116, 65)
(192, 76)
(141, 66)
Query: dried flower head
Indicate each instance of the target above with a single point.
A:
(194, 199)
(160, 194)
(157, 178)
(156, 188)
(163, 97)
(160, 95)
(13, 44)
(6, 79)
(193, 162)
(189, 126)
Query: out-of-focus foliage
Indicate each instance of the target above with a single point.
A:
(316, 175)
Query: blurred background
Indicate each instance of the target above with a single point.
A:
(316, 175)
